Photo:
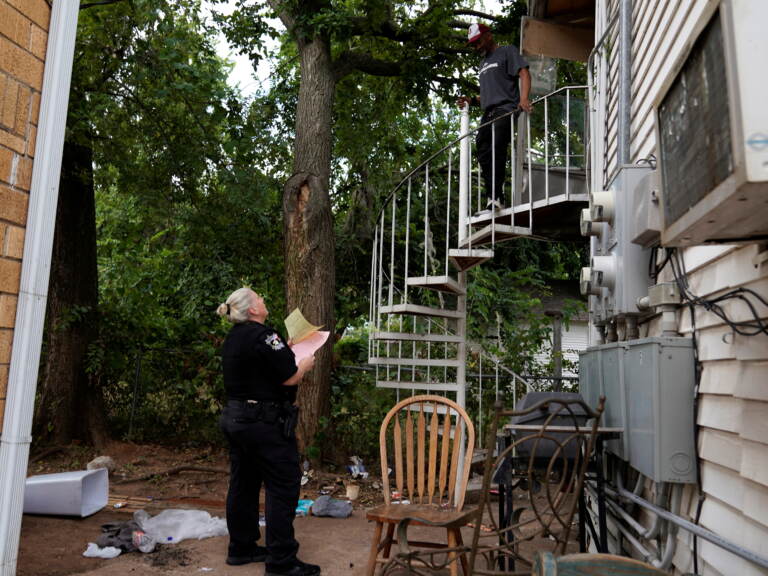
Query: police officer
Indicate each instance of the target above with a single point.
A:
(260, 377)
(498, 74)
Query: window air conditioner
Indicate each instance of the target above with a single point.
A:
(712, 128)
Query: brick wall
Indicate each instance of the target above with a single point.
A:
(23, 40)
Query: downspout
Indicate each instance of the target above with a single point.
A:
(625, 80)
(35, 272)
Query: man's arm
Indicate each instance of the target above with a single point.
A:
(525, 88)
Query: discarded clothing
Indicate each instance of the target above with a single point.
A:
(118, 535)
(327, 506)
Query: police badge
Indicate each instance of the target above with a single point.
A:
(274, 342)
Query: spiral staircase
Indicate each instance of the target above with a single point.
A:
(431, 234)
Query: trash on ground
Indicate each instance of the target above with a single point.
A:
(262, 520)
(357, 469)
(353, 491)
(119, 504)
(95, 551)
(304, 507)
(125, 536)
(327, 506)
(102, 462)
(76, 493)
(174, 525)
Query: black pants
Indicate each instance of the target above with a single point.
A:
(493, 148)
(260, 453)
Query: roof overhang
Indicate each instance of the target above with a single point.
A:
(559, 29)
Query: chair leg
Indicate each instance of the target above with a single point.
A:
(388, 540)
(452, 559)
(374, 553)
(462, 557)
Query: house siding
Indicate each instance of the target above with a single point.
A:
(733, 395)
(23, 41)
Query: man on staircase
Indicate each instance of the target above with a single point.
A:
(498, 75)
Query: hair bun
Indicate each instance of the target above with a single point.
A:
(222, 310)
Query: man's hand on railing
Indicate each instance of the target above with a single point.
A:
(525, 105)
(463, 101)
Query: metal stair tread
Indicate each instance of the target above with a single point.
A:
(439, 283)
(497, 233)
(419, 310)
(388, 361)
(464, 258)
(434, 337)
(397, 384)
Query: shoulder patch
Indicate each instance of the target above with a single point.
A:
(274, 342)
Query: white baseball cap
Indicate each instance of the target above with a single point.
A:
(476, 30)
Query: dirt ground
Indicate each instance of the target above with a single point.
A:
(155, 478)
(53, 546)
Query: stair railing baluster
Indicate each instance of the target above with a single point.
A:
(392, 252)
(546, 150)
(513, 168)
(427, 240)
(530, 171)
(407, 239)
(448, 213)
(567, 143)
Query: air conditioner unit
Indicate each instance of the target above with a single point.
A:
(712, 132)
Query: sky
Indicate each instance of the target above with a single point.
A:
(243, 75)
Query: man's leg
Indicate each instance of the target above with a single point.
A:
(502, 138)
(484, 145)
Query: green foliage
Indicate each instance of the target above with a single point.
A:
(184, 214)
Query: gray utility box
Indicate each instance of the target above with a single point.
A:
(601, 373)
(649, 387)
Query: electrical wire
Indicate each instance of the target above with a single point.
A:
(751, 327)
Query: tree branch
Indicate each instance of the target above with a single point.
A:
(478, 14)
(285, 17)
(349, 61)
(101, 3)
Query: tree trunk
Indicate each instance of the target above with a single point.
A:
(68, 407)
(308, 227)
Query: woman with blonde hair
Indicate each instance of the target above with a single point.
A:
(259, 421)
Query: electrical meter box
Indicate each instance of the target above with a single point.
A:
(601, 372)
(660, 382)
(649, 389)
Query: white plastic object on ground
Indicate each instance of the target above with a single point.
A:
(173, 525)
(93, 551)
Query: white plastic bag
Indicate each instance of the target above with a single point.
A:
(93, 551)
(173, 525)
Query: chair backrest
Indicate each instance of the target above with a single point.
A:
(428, 441)
(545, 462)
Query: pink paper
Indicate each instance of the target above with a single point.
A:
(309, 345)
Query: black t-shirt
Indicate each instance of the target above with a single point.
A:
(498, 77)
(256, 363)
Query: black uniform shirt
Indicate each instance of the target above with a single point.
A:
(256, 363)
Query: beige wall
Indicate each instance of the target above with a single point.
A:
(23, 40)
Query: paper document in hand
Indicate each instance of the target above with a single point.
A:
(309, 345)
(298, 327)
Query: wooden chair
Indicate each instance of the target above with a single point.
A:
(547, 564)
(428, 442)
(540, 473)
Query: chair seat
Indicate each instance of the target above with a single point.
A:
(422, 514)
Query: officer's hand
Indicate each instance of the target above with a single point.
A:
(526, 105)
(306, 364)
